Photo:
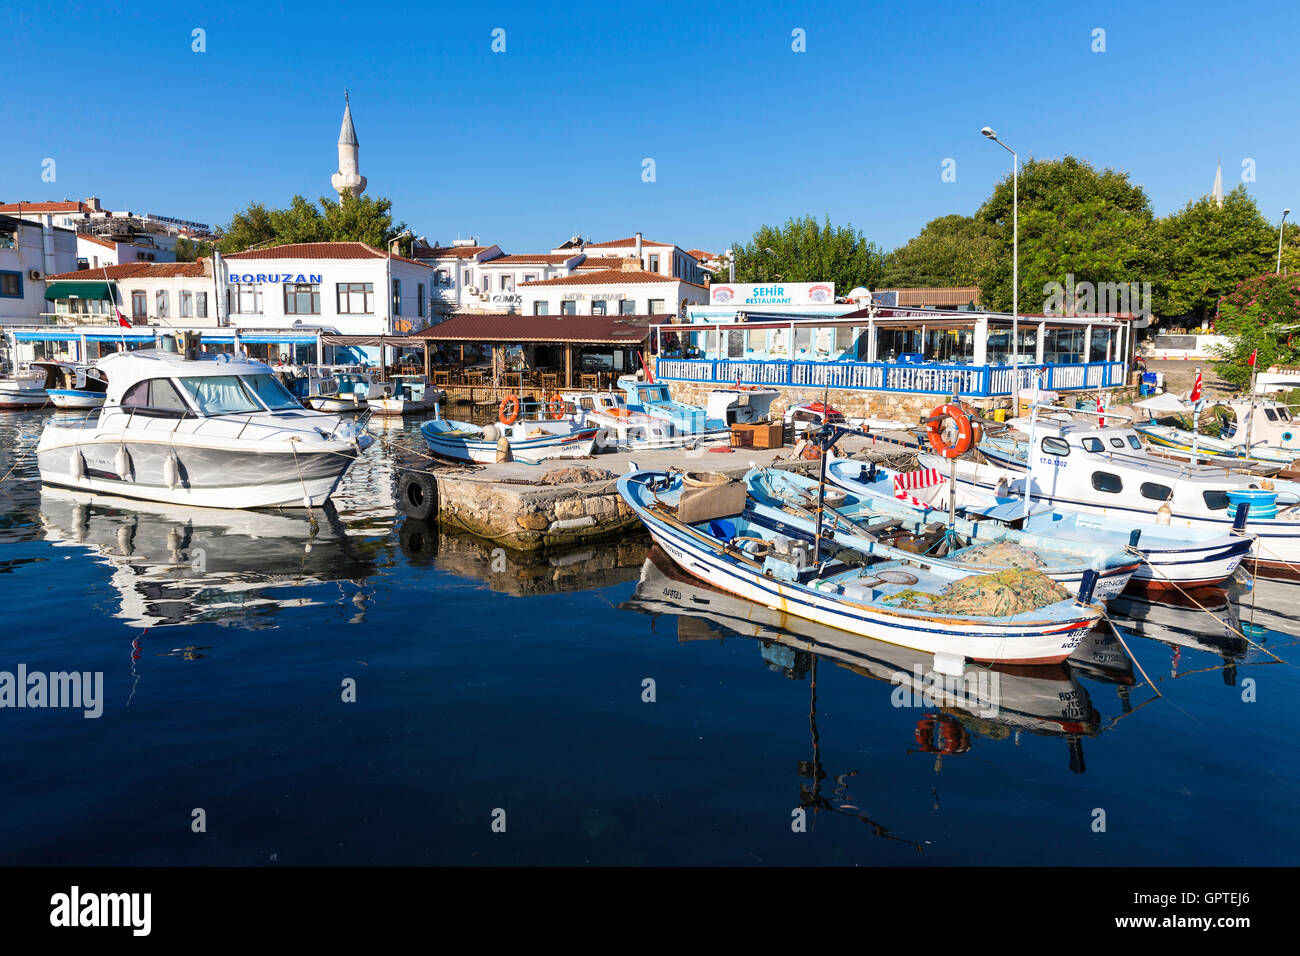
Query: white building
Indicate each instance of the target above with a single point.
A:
(626, 290)
(88, 216)
(662, 257)
(95, 252)
(29, 251)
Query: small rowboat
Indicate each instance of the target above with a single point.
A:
(530, 441)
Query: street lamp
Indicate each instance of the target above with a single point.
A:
(1015, 266)
(1280, 226)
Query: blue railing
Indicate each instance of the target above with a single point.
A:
(929, 378)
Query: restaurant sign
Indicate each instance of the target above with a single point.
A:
(775, 293)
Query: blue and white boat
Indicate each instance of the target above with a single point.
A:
(529, 441)
(73, 386)
(1182, 558)
(706, 532)
(884, 525)
(653, 400)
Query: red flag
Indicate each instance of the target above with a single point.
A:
(1101, 413)
(1196, 388)
(1253, 355)
(122, 320)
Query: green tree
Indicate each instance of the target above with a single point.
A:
(804, 250)
(355, 219)
(1261, 313)
(1074, 220)
(950, 251)
(1204, 251)
(188, 250)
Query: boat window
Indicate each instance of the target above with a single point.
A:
(157, 394)
(1216, 500)
(272, 394)
(1283, 414)
(1117, 442)
(586, 404)
(1055, 446)
(1134, 442)
(1105, 481)
(219, 394)
(1156, 492)
(1270, 414)
(1092, 444)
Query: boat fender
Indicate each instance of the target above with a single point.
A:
(491, 433)
(78, 466)
(122, 463)
(417, 495)
(503, 449)
(1240, 516)
(171, 471)
(934, 431)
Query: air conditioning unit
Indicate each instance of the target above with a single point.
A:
(472, 290)
(35, 274)
(483, 297)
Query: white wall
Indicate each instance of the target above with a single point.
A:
(639, 293)
(29, 255)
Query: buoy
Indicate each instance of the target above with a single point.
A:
(503, 448)
(491, 433)
(964, 439)
(171, 471)
(1164, 513)
(122, 463)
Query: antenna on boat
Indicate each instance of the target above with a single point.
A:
(824, 441)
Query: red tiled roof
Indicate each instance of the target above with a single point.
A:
(321, 250)
(107, 243)
(65, 206)
(607, 277)
(699, 254)
(529, 258)
(587, 329)
(135, 270)
(450, 252)
(601, 262)
(624, 242)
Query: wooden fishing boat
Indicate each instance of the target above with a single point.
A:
(706, 533)
(529, 441)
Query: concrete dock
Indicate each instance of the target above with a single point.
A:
(569, 501)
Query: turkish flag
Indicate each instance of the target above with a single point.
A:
(1101, 413)
(1196, 388)
(1253, 355)
(122, 320)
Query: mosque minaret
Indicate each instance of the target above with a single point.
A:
(348, 179)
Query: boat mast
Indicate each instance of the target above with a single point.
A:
(1029, 453)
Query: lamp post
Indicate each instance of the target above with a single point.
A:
(1015, 266)
(1280, 227)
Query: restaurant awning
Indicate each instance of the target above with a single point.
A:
(50, 336)
(78, 289)
(618, 330)
(396, 341)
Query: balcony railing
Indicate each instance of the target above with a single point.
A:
(930, 378)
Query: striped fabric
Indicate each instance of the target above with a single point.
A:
(921, 478)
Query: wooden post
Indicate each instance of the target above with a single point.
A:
(426, 360)
(568, 365)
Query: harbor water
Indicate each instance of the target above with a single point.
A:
(373, 691)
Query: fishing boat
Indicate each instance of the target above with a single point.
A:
(621, 429)
(788, 502)
(1181, 558)
(1045, 700)
(653, 400)
(1259, 423)
(200, 429)
(705, 531)
(73, 386)
(24, 390)
(1170, 441)
(407, 395)
(1105, 470)
(347, 390)
(528, 441)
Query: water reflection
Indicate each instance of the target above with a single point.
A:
(519, 573)
(989, 702)
(178, 565)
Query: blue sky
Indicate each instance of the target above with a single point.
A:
(524, 148)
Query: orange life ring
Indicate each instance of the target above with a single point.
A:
(509, 410)
(556, 407)
(812, 451)
(965, 433)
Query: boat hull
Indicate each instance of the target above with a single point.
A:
(205, 476)
(73, 398)
(579, 444)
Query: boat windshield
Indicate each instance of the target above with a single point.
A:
(233, 394)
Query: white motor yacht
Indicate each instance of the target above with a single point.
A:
(199, 429)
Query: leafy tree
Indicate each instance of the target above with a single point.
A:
(950, 251)
(1260, 313)
(1074, 220)
(188, 250)
(1204, 251)
(805, 251)
(355, 219)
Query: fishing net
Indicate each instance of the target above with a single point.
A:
(1004, 554)
(1001, 594)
